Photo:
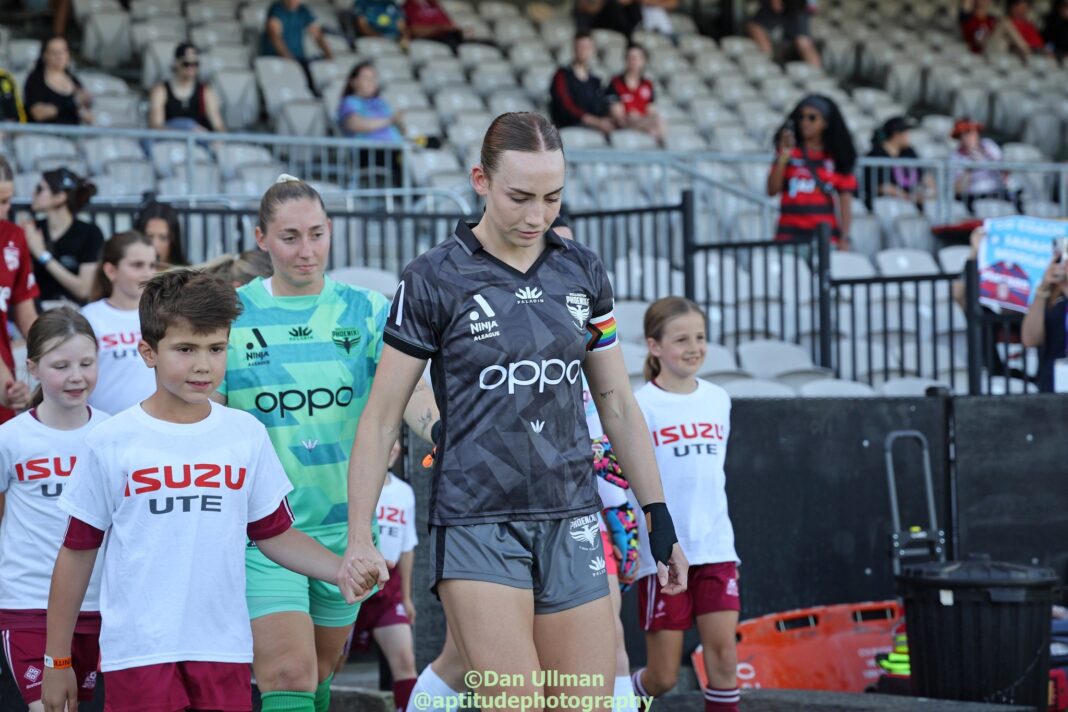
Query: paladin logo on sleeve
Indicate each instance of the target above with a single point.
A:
(578, 303)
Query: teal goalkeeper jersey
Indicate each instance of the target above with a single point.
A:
(303, 366)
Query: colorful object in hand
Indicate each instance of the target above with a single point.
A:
(605, 464)
(622, 524)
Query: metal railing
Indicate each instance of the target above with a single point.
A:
(337, 163)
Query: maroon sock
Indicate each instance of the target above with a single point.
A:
(720, 700)
(402, 690)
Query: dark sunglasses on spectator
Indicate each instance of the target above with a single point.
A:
(189, 63)
(810, 117)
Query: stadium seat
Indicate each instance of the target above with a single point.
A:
(156, 62)
(1043, 209)
(953, 258)
(449, 102)
(30, 148)
(422, 122)
(1044, 130)
(106, 40)
(903, 262)
(112, 111)
(835, 388)
(487, 82)
(84, 8)
(280, 80)
(166, 155)
(99, 152)
(207, 13)
(913, 231)
(130, 176)
(720, 366)
(851, 265)
(403, 96)
(475, 55)
(992, 208)
(301, 117)
(630, 319)
(238, 97)
(428, 162)
(100, 84)
(376, 47)
(205, 179)
(754, 388)
(375, 280)
(578, 138)
(779, 360)
(422, 52)
(509, 100)
(631, 140)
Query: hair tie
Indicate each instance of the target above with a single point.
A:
(286, 178)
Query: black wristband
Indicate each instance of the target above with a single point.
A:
(435, 432)
(661, 531)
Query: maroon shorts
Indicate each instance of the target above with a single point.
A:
(168, 687)
(24, 651)
(711, 588)
(385, 608)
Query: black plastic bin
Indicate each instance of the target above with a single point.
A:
(979, 630)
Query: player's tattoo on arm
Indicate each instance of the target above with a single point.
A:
(421, 386)
(605, 394)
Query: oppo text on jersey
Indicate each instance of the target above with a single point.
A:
(550, 372)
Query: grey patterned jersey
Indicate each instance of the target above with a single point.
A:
(506, 351)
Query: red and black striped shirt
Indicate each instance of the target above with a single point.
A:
(804, 206)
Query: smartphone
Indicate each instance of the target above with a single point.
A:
(1060, 247)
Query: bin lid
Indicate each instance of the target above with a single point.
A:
(979, 571)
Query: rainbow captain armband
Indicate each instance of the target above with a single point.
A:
(602, 332)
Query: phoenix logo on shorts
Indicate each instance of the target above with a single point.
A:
(90, 682)
(483, 323)
(597, 566)
(732, 587)
(578, 304)
(528, 295)
(586, 531)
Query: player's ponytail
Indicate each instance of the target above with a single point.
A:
(657, 317)
(49, 331)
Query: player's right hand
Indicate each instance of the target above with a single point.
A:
(15, 395)
(362, 568)
(59, 691)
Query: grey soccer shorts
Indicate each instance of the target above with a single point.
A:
(561, 560)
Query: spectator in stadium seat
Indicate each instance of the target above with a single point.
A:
(53, 94)
(1055, 30)
(792, 17)
(971, 184)
(891, 140)
(621, 16)
(183, 102)
(1044, 325)
(576, 97)
(813, 171)
(65, 250)
(631, 96)
(380, 18)
(427, 20)
(159, 223)
(1022, 34)
(656, 17)
(977, 23)
(287, 21)
(11, 108)
(364, 113)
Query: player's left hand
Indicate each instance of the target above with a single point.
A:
(362, 568)
(673, 576)
(409, 609)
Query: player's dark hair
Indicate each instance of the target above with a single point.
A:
(242, 268)
(517, 131)
(287, 188)
(52, 328)
(77, 189)
(112, 253)
(200, 299)
(657, 317)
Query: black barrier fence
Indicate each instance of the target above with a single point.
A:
(886, 331)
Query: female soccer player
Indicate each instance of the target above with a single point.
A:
(511, 315)
(302, 357)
